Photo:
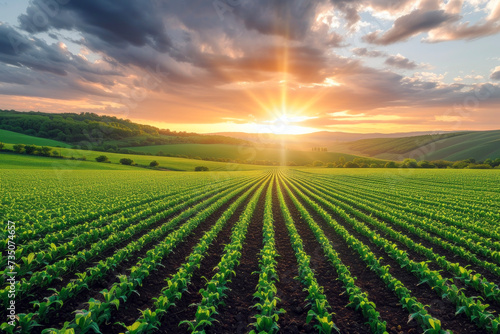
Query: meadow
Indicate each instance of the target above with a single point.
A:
(307, 250)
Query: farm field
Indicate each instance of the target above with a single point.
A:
(308, 250)
(244, 152)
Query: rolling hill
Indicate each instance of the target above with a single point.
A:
(479, 145)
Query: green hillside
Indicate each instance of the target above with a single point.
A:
(92, 131)
(19, 138)
(243, 153)
(21, 161)
(169, 163)
(479, 145)
(375, 146)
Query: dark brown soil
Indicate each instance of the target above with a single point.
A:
(289, 289)
(154, 280)
(236, 315)
(346, 319)
(25, 305)
(441, 309)
(184, 310)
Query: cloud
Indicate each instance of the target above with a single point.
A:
(410, 25)
(364, 52)
(400, 61)
(464, 30)
(128, 22)
(212, 69)
(495, 74)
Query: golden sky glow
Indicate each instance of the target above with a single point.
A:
(286, 67)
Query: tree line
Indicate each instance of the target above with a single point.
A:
(88, 129)
(411, 163)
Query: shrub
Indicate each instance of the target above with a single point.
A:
(126, 161)
(44, 150)
(30, 149)
(201, 169)
(391, 164)
(154, 163)
(460, 164)
(479, 166)
(425, 164)
(102, 158)
(351, 164)
(330, 165)
(317, 163)
(441, 163)
(19, 148)
(409, 163)
(2, 145)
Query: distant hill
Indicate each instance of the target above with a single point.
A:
(99, 132)
(452, 146)
(260, 155)
(320, 137)
(479, 145)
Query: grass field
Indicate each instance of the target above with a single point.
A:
(244, 153)
(170, 163)
(19, 138)
(305, 250)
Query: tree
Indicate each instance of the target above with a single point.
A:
(391, 164)
(425, 164)
(479, 166)
(409, 163)
(19, 148)
(45, 151)
(341, 159)
(330, 165)
(374, 166)
(460, 164)
(126, 161)
(2, 145)
(441, 163)
(351, 164)
(30, 149)
(154, 163)
(201, 169)
(317, 163)
(102, 158)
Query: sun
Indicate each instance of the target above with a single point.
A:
(285, 124)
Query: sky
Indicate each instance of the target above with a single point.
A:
(282, 66)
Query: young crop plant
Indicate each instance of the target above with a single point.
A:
(358, 299)
(97, 312)
(215, 289)
(178, 283)
(474, 309)
(267, 303)
(489, 290)
(319, 306)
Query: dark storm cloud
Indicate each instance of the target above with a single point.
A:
(119, 23)
(409, 25)
(290, 19)
(35, 54)
(12, 42)
(401, 62)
